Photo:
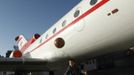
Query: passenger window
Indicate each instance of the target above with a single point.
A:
(93, 2)
(77, 13)
(63, 23)
(54, 30)
(41, 40)
(46, 36)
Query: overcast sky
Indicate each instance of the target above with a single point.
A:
(28, 17)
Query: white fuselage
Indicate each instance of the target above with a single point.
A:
(92, 33)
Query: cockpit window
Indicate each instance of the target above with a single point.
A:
(93, 2)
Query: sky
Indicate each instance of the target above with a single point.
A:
(28, 17)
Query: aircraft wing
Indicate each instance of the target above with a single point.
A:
(22, 64)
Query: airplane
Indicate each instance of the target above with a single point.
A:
(91, 28)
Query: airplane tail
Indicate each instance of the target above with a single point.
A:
(21, 41)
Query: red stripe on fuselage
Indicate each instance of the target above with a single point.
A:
(27, 44)
(91, 10)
